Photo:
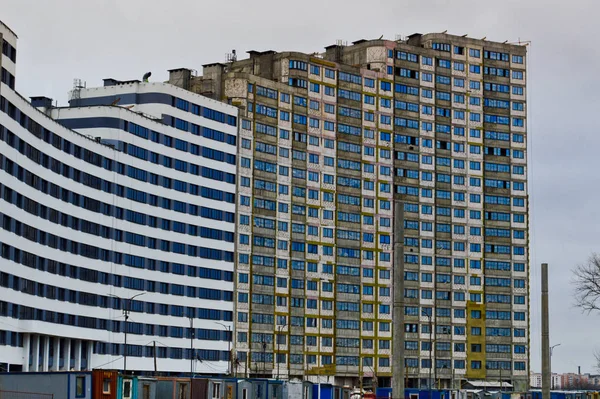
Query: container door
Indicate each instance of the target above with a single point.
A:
(146, 391)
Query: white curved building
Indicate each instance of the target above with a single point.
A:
(102, 203)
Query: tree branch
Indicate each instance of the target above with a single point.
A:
(587, 284)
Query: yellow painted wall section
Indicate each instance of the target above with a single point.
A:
(475, 339)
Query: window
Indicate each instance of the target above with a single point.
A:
(80, 387)
(106, 386)
(127, 389)
(216, 391)
(298, 65)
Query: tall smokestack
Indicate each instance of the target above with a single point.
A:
(545, 335)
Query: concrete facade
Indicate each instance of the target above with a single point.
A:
(328, 141)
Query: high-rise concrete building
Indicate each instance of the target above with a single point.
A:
(131, 191)
(327, 143)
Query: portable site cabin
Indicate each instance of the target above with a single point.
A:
(537, 394)
(252, 388)
(127, 387)
(104, 384)
(412, 393)
(298, 390)
(175, 388)
(67, 385)
(146, 388)
(322, 391)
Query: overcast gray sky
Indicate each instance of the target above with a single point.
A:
(92, 39)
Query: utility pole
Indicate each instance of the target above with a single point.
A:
(229, 357)
(264, 359)
(154, 353)
(545, 335)
(126, 310)
(398, 308)
(430, 350)
(229, 338)
(276, 360)
(191, 355)
(360, 376)
(191, 346)
(126, 313)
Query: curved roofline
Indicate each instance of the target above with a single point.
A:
(10, 30)
(111, 107)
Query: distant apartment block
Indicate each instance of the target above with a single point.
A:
(567, 381)
(535, 381)
(579, 381)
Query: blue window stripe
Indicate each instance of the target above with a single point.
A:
(95, 182)
(89, 251)
(22, 312)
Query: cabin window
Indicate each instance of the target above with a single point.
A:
(80, 386)
(106, 386)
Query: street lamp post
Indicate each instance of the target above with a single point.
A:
(228, 328)
(126, 310)
(191, 346)
(191, 355)
(552, 379)
(276, 360)
(429, 314)
(437, 250)
(264, 360)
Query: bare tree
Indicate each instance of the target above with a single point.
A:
(587, 284)
(587, 290)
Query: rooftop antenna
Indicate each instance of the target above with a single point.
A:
(521, 43)
(78, 84)
(231, 57)
(146, 76)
